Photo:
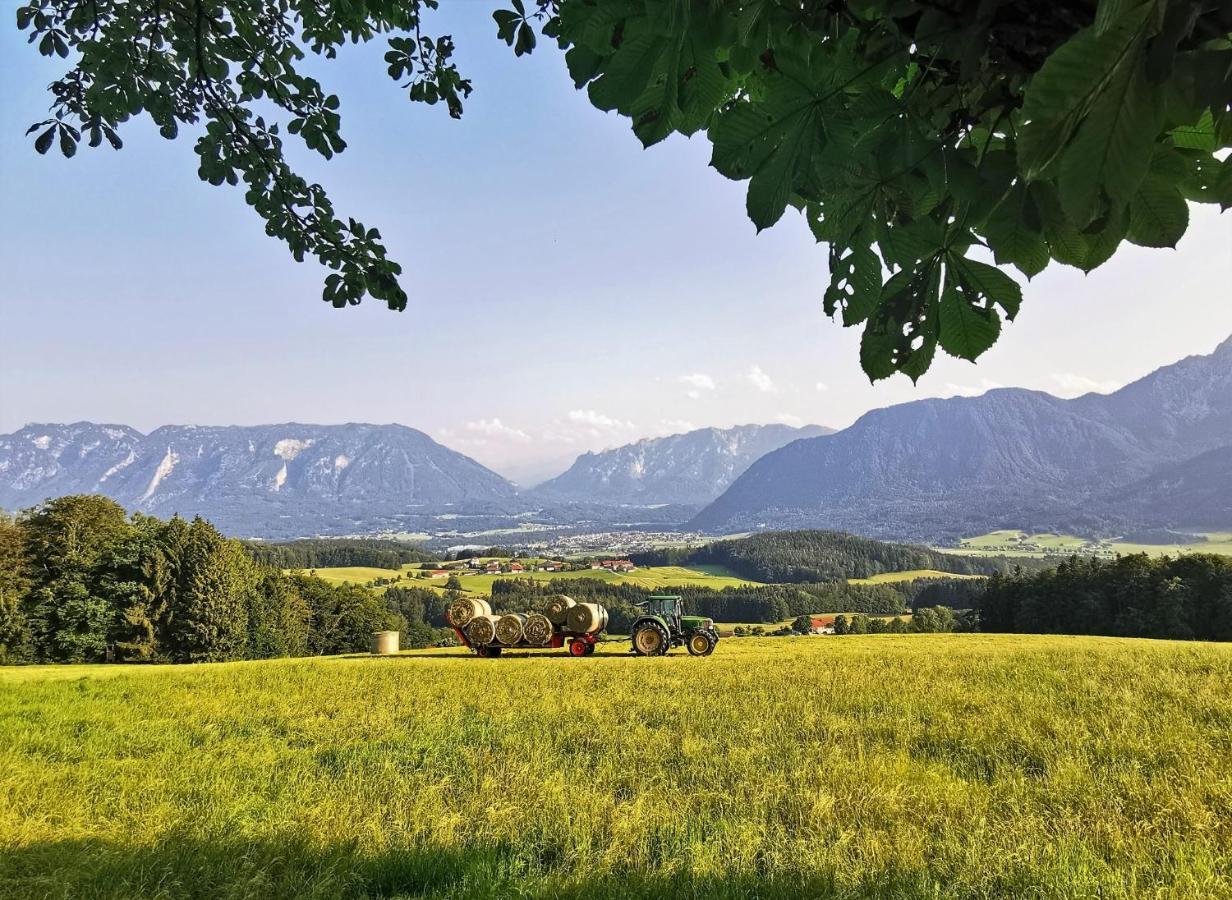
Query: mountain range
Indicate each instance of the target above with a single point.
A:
(1157, 452)
(288, 479)
(690, 468)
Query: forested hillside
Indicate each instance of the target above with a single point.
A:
(801, 556)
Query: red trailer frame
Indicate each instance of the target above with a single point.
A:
(579, 644)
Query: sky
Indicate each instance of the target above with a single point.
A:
(569, 291)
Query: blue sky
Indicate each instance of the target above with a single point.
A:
(569, 290)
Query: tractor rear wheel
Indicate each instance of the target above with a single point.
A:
(700, 643)
(650, 639)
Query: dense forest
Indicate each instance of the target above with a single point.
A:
(321, 553)
(792, 557)
(80, 581)
(1187, 597)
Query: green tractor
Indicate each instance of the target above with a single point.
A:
(662, 625)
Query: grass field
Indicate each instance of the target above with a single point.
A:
(1019, 543)
(908, 575)
(876, 766)
(481, 584)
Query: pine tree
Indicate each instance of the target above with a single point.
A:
(216, 580)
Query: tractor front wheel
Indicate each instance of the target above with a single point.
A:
(700, 644)
(650, 639)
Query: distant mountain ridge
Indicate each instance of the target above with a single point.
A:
(1011, 456)
(689, 468)
(292, 478)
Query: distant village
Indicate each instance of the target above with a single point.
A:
(479, 565)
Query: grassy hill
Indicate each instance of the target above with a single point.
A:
(710, 576)
(914, 766)
(1020, 544)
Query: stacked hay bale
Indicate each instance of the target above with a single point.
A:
(586, 618)
(538, 630)
(481, 630)
(557, 609)
(510, 628)
(561, 616)
(463, 610)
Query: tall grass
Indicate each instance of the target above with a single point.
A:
(880, 766)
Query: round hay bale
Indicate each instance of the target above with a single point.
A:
(482, 629)
(558, 608)
(537, 629)
(384, 643)
(509, 628)
(587, 618)
(462, 610)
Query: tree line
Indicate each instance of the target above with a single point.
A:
(321, 553)
(1187, 597)
(81, 581)
(792, 557)
(753, 603)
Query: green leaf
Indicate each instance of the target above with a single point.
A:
(901, 335)
(1114, 145)
(1015, 234)
(770, 189)
(965, 330)
(986, 282)
(1198, 136)
(627, 73)
(1071, 79)
(68, 146)
(43, 142)
(1158, 215)
(855, 284)
(1066, 243)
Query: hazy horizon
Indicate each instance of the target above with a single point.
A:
(552, 311)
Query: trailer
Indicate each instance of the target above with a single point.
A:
(575, 626)
(578, 644)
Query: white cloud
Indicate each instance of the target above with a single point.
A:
(760, 380)
(676, 426)
(495, 428)
(597, 420)
(1071, 385)
(970, 390)
(822, 386)
(698, 381)
(789, 419)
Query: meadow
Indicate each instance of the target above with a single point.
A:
(872, 766)
(1019, 543)
(480, 584)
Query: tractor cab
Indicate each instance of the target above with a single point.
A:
(661, 625)
(668, 607)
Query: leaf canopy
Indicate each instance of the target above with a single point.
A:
(911, 134)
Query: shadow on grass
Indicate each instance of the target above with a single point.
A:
(231, 868)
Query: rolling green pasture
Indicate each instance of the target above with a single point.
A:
(1019, 543)
(715, 577)
(907, 575)
(916, 766)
